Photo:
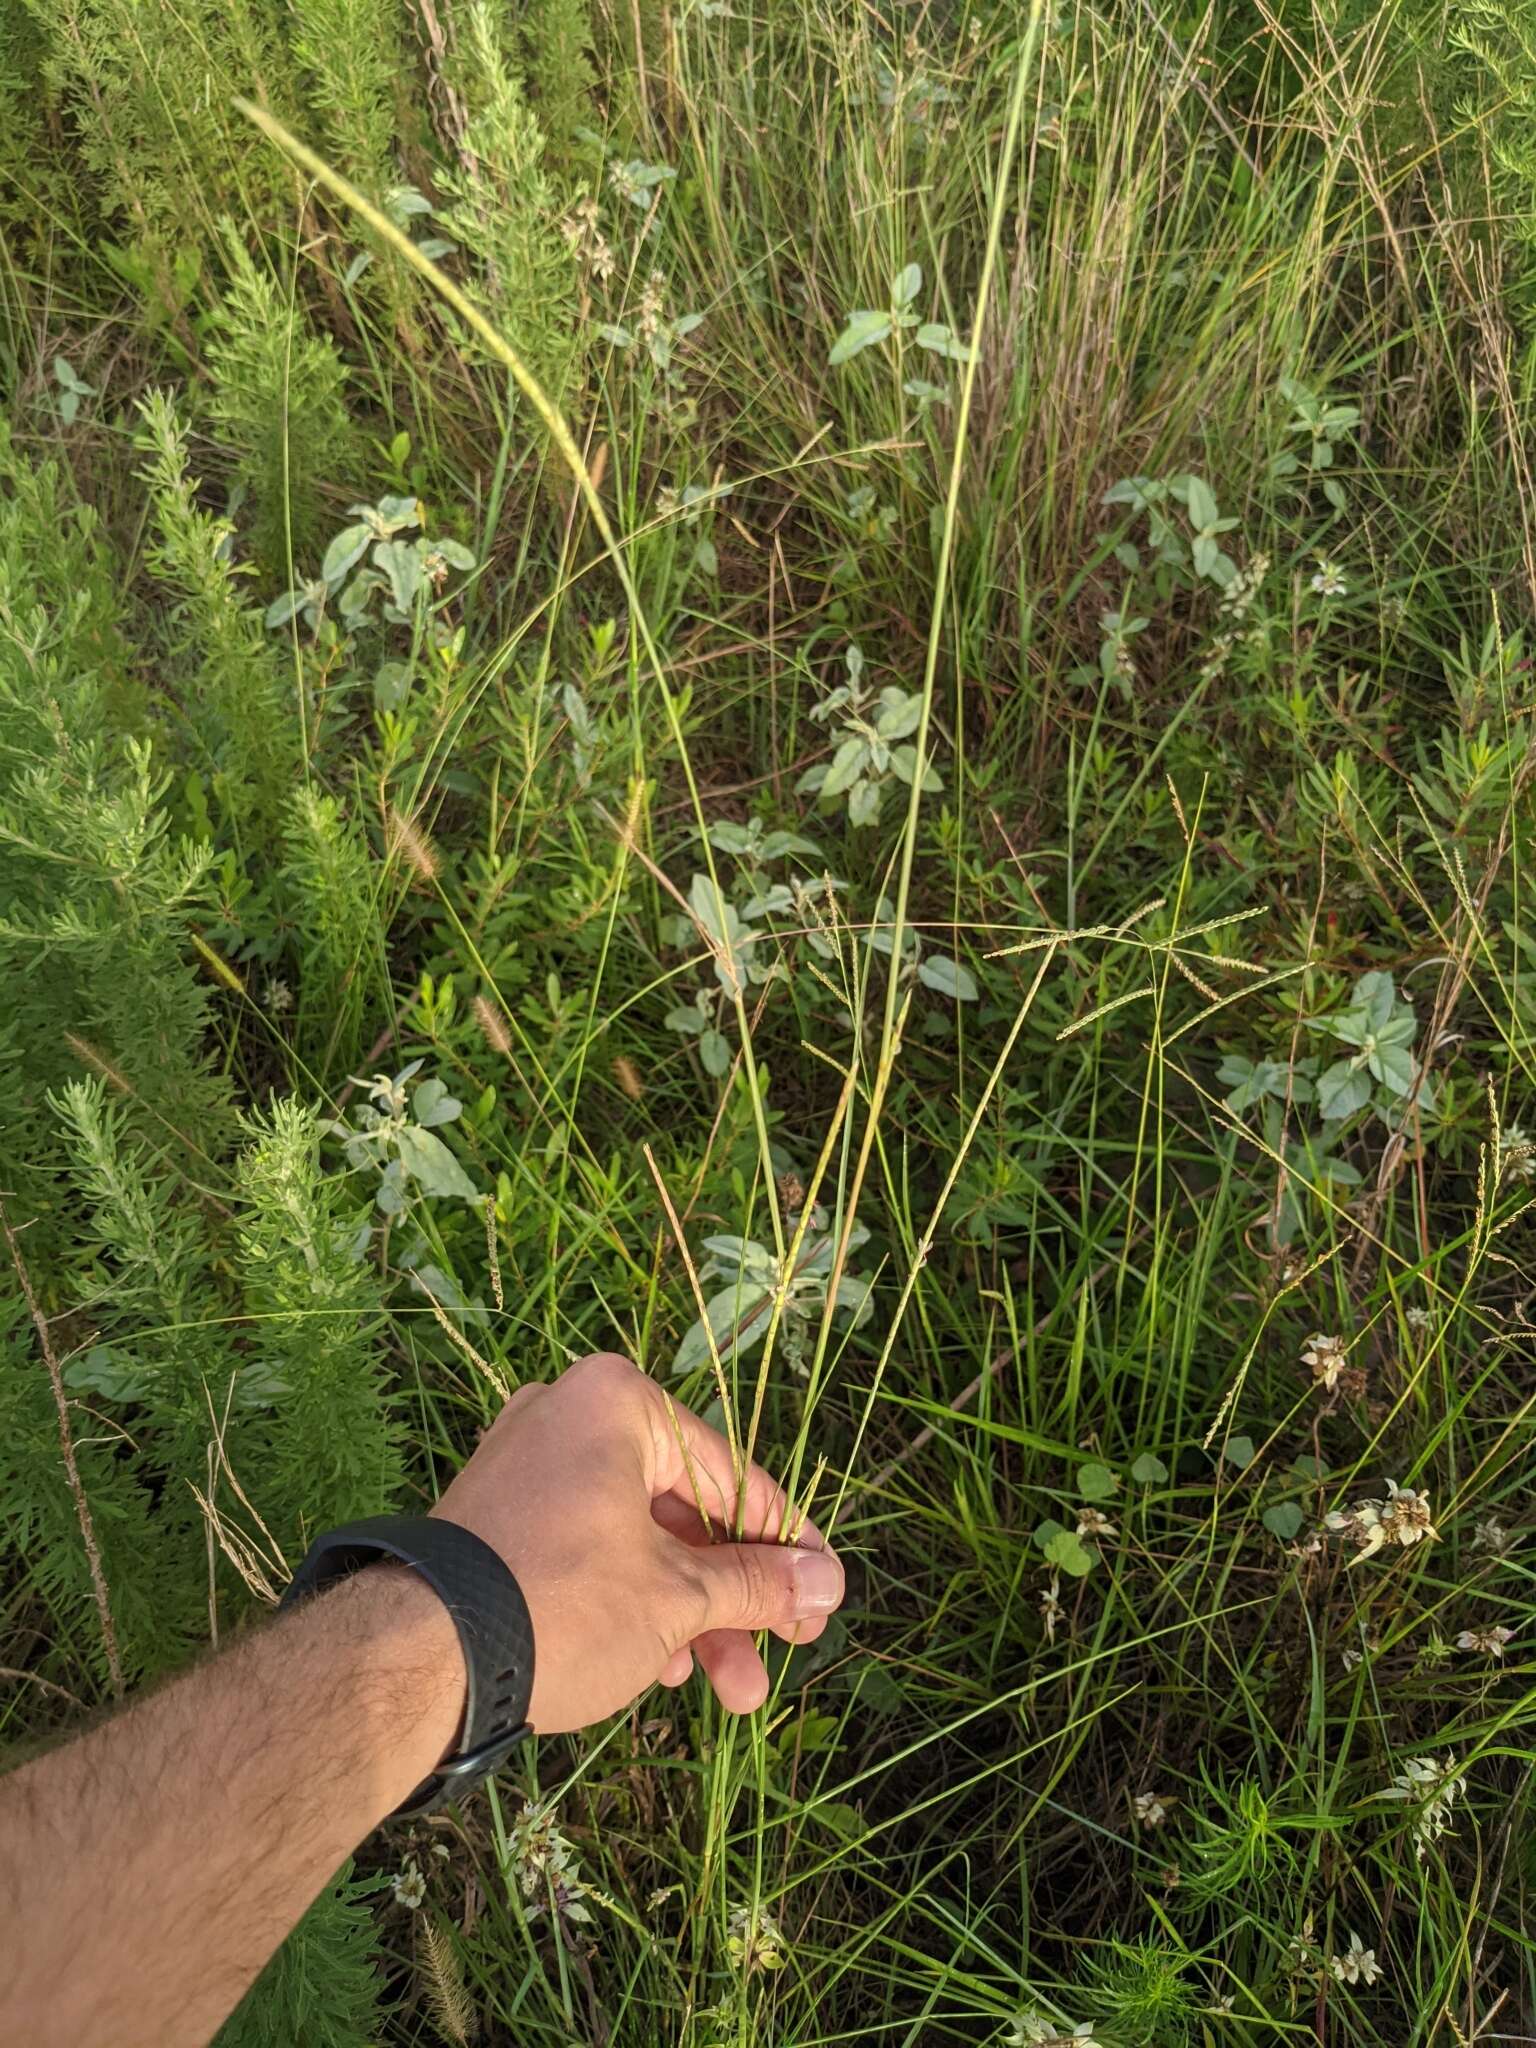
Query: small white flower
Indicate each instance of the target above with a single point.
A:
(1328, 578)
(1094, 1525)
(1352, 1658)
(1052, 1613)
(1357, 1965)
(1404, 1517)
(1418, 1318)
(546, 1866)
(753, 1941)
(1154, 1808)
(409, 1887)
(1433, 1787)
(277, 995)
(1327, 1357)
(1517, 1154)
(1485, 1642)
(1034, 2030)
(1491, 1536)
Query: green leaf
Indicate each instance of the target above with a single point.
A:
(432, 1105)
(1203, 509)
(1097, 1482)
(286, 607)
(1149, 1470)
(391, 685)
(738, 1317)
(429, 1162)
(1070, 1554)
(344, 553)
(1341, 1090)
(1238, 1451)
(1395, 1065)
(1284, 1519)
(402, 565)
(940, 340)
(865, 329)
(111, 1373)
(714, 1053)
(907, 285)
(948, 977)
(864, 803)
(846, 765)
(840, 1817)
(1375, 994)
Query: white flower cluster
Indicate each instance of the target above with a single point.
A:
(1433, 1787)
(1404, 1517)
(546, 1865)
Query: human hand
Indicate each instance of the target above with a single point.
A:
(592, 1491)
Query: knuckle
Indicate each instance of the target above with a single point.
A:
(755, 1593)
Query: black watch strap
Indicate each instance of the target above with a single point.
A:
(489, 1612)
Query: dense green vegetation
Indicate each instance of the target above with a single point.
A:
(875, 671)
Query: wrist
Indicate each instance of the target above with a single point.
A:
(409, 1661)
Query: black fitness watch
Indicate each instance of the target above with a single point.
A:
(489, 1612)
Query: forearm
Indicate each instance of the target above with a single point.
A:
(149, 1870)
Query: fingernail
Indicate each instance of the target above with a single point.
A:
(818, 1579)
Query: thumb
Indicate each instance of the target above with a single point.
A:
(762, 1585)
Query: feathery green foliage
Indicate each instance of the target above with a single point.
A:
(1040, 792)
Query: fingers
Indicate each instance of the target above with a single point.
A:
(678, 1669)
(730, 1662)
(681, 1518)
(756, 1585)
(694, 1461)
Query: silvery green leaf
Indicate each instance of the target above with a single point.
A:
(391, 685)
(1375, 994)
(907, 285)
(940, 340)
(111, 1373)
(899, 713)
(395, 514)
(712, 912)
(685, 1019)
(286, 607)
(938, 971)
(390, 1194)
(401, 563)
(1283, 1520)
(429, 1162)
(1203, 510)
(1395, 1065)
(432, 1105)
(728, 837)
(405, 203)
(683, 326)
(705, 558)
(845, 766)
(454, 553)
(904, 764)
(344, 552)
(864, 803)
(436, 247)
(356, 267)
(1149, 1470)
(610, 330)
(1341, 1090)
(924, 392)
(812, 780)
(737, 1317)
(714, 1053)
(733, 1250)
(864, 330)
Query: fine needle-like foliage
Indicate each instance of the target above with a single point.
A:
(846, 703)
